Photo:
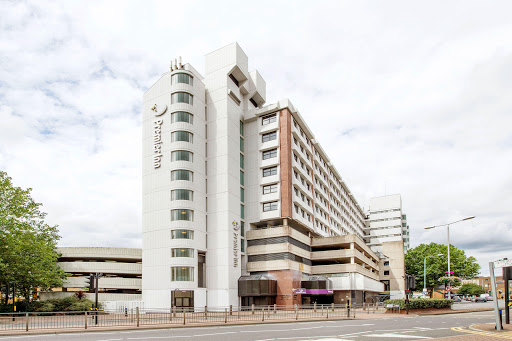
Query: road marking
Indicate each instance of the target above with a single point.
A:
(501, 335)
(398, 336)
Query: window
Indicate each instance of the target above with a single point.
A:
(242, 194)
(386, 263)
(242, 178)
(270, 206)
(242, 228)
(182, 214)
(181, 116)
(241, 128)
(182, 273)
(269, 136)
(270, 189)
(182, 194)
(182, 252)
(241, 144)
(182, 174)
(386, 273)
(182, 97)
(181, 78)
(181, 155)
(182, 234)
(241, 161)
(181, 136)
(267, 119)
(242, 211)
(253, 102)
(268, 154)
(269, 171)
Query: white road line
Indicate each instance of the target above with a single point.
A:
(398, 336)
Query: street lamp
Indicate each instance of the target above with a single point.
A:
(448, 234)
(425, 272)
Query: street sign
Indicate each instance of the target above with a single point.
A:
(502, 263)
(448, 288)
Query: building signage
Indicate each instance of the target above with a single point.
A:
(303, 291)
(236, 227)
(157, 135)
(157, 143)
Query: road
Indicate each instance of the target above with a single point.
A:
(394, 328)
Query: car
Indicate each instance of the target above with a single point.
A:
(481, 298)
(489, 298)
(457, 299)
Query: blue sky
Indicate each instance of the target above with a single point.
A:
(406, 97)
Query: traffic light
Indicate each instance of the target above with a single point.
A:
(89, 282)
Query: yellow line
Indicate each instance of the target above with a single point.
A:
(501, 335)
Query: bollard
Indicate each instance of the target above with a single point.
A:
(348, 311)
(174, 311)
(137, 315)
(26, 322)
(322, 309)
(332, 305)
(184, 317)
(85, 315)
(225, 315)
(230, 310)
(296, 313)
(206, 312)
(314, 307)
(252, 308)
(170, 314)
(327, 311)
(275, 308)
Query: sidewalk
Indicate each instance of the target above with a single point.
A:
(92, 329)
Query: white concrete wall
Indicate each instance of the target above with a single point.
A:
(157, 185)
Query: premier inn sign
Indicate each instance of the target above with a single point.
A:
(157, 135)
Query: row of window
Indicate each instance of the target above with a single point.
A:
(302, 212)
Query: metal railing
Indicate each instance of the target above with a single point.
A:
(179, 316)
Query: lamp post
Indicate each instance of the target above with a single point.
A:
(425, 271)
(448, 235)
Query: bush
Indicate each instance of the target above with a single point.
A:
(71, 303)
(421, 303)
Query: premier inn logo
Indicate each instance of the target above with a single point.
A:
(159, 111)
(157, 135)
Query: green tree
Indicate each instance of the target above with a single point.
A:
(471, 289)
(463, 266)
(28, 255)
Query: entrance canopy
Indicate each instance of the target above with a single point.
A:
(257, 285)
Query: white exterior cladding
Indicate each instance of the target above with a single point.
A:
(386, 222)
(316, 197)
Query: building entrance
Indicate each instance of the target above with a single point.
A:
(183, 299)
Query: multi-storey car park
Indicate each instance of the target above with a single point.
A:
(241, 205)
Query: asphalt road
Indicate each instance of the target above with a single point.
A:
(395, 328)
(475, 305)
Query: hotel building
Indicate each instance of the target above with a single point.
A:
(241, 205)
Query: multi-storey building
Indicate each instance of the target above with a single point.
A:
(239, 196)
(386, 222)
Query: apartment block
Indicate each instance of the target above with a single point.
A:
(241, 204)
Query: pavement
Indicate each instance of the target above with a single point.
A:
(461, 326)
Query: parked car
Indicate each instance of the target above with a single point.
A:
(489, 298)
(481, 298)
(457, 299)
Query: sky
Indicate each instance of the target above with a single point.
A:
(405, 97)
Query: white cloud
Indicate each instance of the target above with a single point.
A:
(413, 98)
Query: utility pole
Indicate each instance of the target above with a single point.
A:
(96, 277)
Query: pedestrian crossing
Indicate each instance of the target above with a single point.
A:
(501, 335)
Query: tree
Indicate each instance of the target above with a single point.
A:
(471, 289)
(28, 255)
(462, 266)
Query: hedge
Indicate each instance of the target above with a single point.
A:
(70, 303)
(421, 303)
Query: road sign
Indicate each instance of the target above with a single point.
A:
(502, 263)
(448, 288)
